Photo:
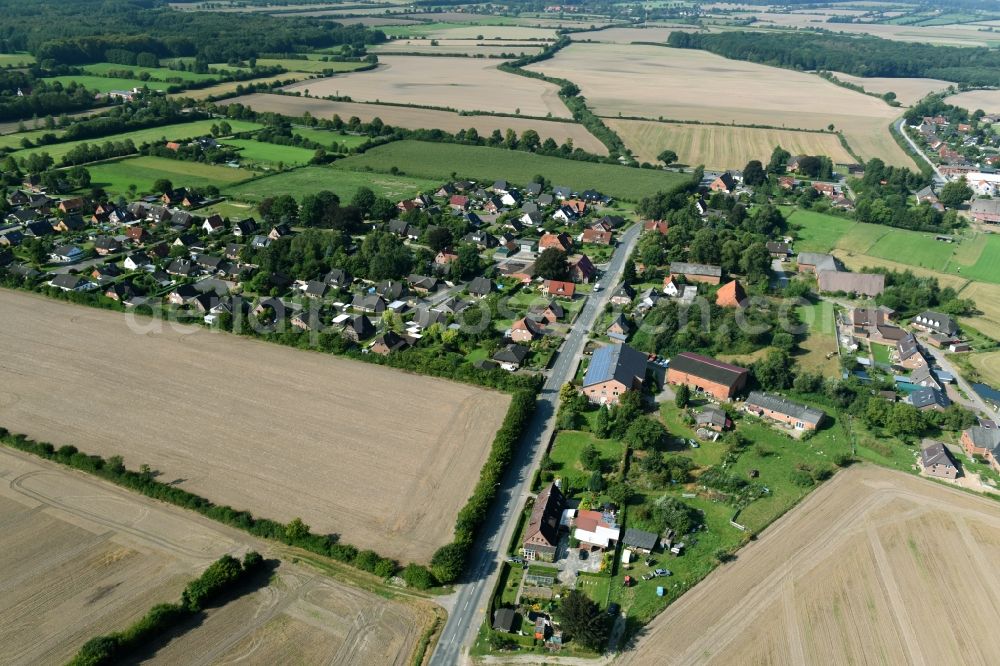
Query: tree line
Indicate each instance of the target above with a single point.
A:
(860, 55)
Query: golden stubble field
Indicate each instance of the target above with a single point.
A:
(683, 84)
(987, 100)
(876, 566)
(720, 146)
(466, 84)
(463, 47)
(81, 557)
(908, 91)
(414, 118)
(381, 457)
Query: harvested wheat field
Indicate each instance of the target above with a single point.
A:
(988, 365)
(466, 84)
(908, 91)
(683, 84)
(720, 146)
(987, 100)
(231, 87)
(82, 557)
(381, 457)
(413, 118)
(987, 298)
(876, 566)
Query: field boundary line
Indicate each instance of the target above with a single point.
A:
(900, 616)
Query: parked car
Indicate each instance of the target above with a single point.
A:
(613, 609)
(663, 572)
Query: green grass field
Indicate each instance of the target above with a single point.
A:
(155, 73)
(104, 84)
(987, 267)
(330, 138)
(270, 153)
(16, 59)
(116, 176)
(296, 65)
(881, 353)
(312, 179)
(13, 141)
(566, 456)
(439, 160)
(176, 132)
(819, 232)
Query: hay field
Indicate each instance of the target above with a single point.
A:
(682, 84)
(459, 83)
(629, 35)
(876, 566)
(82, 557)
(720, 146)
(988, 365)
(455, 31)
(414, 118)
(987, 100)
(383, 458)
(908, 91)
(464, 47)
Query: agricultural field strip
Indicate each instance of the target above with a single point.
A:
(312, 436)
(718, 611)
(467, 84)
(688, 88)
(132, 552)
(420, 118)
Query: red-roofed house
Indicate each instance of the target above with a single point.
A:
(558, 241)
(560, 289)
(731, 295)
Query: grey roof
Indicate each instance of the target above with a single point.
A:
(907, 346)
(986, 207)
(480, 286)
(67, 281)
(619, 362)
(708, 368)
(937, 321)
(503, 619)
(936, 453)
(639, 538)
(822, 262)
(512, 353)
(782, 405)
(711, 415)
(985, 438)
(925, 397)
(686, 268)
(868, 284)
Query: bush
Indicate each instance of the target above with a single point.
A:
(417, 576)
(802, 478)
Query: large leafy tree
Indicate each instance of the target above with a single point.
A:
(583, 620)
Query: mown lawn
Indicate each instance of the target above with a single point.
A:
(819, 232)
(270, 153)
(566, 452)
(881, 353)
(330, 138)
(116, 176)
(439, 160)
(175, 132)
(105, 84)
(311, 179)
(987, 267)
(16, 59)
(155, 73)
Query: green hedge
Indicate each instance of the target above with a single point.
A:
(221, 577)
(449, 560)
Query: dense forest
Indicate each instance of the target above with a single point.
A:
(75, 32)
(852, 54)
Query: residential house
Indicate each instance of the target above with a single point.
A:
(530, 219)
(936, 460)
(552, 312)
(907, 348)
(696, 272)
(658, 226)
(245, 228)
(338, 278)
(596, 236)
(68, 282)
(69, 223)
(620, 328)
(120, 291)
(858, 284)
(72, 205)
(670, 286)
(562, 193)
(67, 254)
(315, 289)
(555, 241)
(560, 289)
(983, 442)
(182, 295)
(935, 322)
(922, 376)
(503, 620)
(778, 408)
(425, 317)
(182, 267)
(38, 229)
(613, 370)
(445, 257)
(389, 342)
(480, 287)
(213, 225)
(713, 418)
(929, 398)
(541, 537)
(357, 328)
(137, 261)
(260, 242)
(581, 269)
(459, 202)
(390, 290)
(648, 300)
(11, 238)
(526, 330)
(707, 375)
(533, 189)
(731, 295)
(723, 183)
(421, 284)
(511, 357)
(812, 262)
(986, 210)
(595, 530)
(371, 303)
(780, 251)
(623, 295)
(280, 231)
(482, 239)
(105, 245)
